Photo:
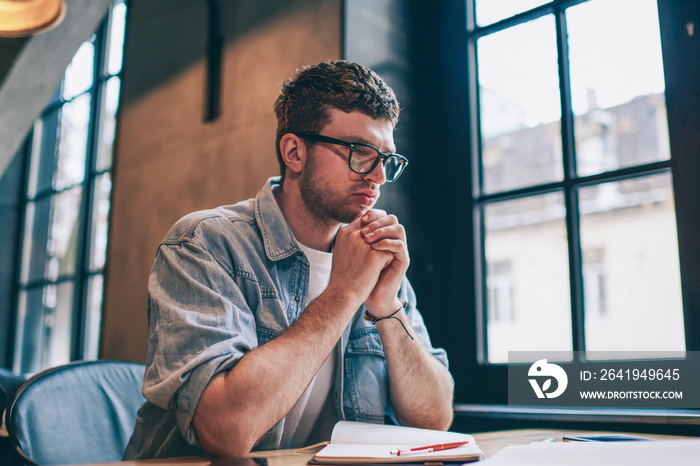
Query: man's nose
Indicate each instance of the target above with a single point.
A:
(378, 175)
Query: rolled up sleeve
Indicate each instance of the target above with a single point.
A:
(199, 326)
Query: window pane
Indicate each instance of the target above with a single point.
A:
(80, 72)
(527, 276)
(617, 84)
(51, 235)
(115, 47)
(100, 224)
(632, 285)
(93, 316)
(36, 236)
(44, 327)
(43, 156)
(491, 11)
(108, 124)
(72, 146)
(519, 106)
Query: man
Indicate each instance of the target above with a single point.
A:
(271, 319)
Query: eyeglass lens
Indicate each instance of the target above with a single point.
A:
(363, 158)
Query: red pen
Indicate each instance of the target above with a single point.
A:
(428, 448)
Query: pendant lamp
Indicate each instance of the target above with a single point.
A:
(27, 17)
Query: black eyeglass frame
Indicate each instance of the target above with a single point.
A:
(381, 156)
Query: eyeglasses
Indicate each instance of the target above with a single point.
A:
(364, 158)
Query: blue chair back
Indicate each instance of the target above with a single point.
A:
(82, 412)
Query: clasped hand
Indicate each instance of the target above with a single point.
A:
(370, 256)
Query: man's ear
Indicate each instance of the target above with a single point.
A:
(293, 152)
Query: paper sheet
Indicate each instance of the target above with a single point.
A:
(642, 453)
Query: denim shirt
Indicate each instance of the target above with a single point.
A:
(224, 282)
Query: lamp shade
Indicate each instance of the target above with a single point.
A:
(26, 17)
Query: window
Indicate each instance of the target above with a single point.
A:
(66, 207)
(574, 179)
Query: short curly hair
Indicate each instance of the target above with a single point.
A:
(305, 100)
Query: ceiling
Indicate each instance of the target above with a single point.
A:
(31, 68)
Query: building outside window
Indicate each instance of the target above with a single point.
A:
(594, 283)
(500, 292)
(69, 155)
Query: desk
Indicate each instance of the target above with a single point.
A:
(490, 443)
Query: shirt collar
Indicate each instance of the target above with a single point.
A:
(277, 236)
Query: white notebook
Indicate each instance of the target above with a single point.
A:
(365, 443)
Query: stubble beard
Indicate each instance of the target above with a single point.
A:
(320, 200)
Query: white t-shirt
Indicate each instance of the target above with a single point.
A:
(303, 416)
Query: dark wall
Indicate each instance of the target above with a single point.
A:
(442, 181)
(682, 72)
(416, 47)
(9, 49)
(11, 184)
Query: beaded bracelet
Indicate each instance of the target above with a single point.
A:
(374, 320)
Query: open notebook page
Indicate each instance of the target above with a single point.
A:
(379, 452)
(379, 434)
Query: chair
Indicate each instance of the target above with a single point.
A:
(81, 412)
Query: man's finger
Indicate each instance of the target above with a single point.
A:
(384, 221)
(372, 215)
(356, 224)
(394, 246)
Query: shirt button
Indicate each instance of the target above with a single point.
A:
(296, 298)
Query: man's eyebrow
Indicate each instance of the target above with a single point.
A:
(356, 139)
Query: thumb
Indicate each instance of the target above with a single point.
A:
(356, 224)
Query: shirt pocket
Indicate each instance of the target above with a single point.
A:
(265, 334)
(366, 378)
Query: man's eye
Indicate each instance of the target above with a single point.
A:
(365, 152)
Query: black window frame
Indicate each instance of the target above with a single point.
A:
(569, 185)
(83, 271)
(673, 16)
